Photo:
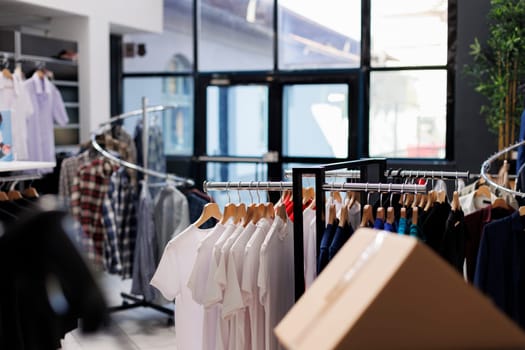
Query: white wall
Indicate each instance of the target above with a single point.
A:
(89, 23)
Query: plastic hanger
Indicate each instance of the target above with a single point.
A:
(210, 210)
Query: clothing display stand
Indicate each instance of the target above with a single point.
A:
(132, 301)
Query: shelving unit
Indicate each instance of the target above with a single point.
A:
(33, 50)
(25, 165)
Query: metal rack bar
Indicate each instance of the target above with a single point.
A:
(355, 174)
(103, 126)
(485, 167)
(269, 157)
(286, 185)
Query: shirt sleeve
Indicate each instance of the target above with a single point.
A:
(166, 278)
(59, 110)
(262, 275)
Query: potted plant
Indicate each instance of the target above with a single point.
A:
(498, 69)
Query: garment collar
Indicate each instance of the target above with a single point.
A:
(41, 85)
(517, 225)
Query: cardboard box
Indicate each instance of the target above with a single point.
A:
(403, 296)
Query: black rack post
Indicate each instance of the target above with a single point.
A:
(372, 170)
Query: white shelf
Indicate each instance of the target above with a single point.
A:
(25, 165)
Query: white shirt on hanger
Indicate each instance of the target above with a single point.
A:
(249, 287)
(234, 307)
(170, 279)
(275, 279)
(15, 97)
(309, 244)
(197, 285)
(213, 290)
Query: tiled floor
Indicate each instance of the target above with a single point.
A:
(139, 328)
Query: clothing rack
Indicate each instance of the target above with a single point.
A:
(132, 301)
(287, 185)
(485, 167)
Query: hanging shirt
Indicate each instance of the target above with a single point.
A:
(474, 225)
(500, 265)
(402, 227)
(434, 226)
(275, 278)
(170, 279)
(144, 262)
(379, 224)
(453, 244)
(214, 293)
(15, 97)
(328, 235)
(48, 107)
(171, 215)
(122, 196)
(68, 172)
(471, 203)
(342, 234)
(234, 306)
(249, 286)
(89, 190)
(310, 246)
(354, 215)
(197, 284)
(225, 324)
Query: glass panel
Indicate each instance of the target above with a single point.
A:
(408, 114)
(236, 35)
(237, 172)
(237, 118)
(315, 118)
(420, 35)
(319, 34)
(177, 124)
(170, 51)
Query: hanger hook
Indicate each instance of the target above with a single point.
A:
(239, 192)
(367, 194)
(258, 194)
(228, 191)
(391, 193)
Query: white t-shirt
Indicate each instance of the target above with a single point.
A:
(234, 307)
(213, 296)
(275, 279)
(15, 97)
(170, 279)
(197, 285)
(354, 215)
(250, 291)
(309, 244)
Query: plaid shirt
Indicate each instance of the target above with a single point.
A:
(87, 197)
(68, 172)
(122, 198)
(111, 247)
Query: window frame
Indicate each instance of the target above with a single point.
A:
(358, 80)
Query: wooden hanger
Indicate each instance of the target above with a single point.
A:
(240, 213)
(332, 214)
(230, 211)
(431, 199)
(368, 216)
(500, 203)
(403, 213)
(30, 192)
(7, 74)
(281, 212)
(210, 210)
(415, 215)
(269, 210)
(3, 196)
(455, 205)
(522, 211)
(380, 214)
(308, 194)
(483, 191)
(343, 216)
(390, 215)
(336, 196)
(14, 195)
